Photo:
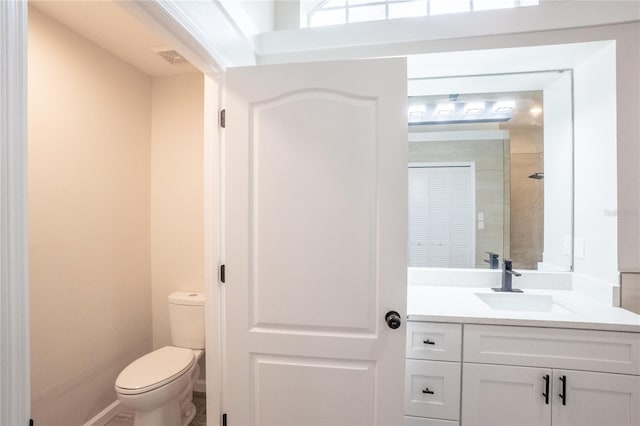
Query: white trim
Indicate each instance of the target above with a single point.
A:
(104, 416)
(466, 135)
(212, 250)
(277, 46)
(203, 32)
(15, 398)
(416, 164)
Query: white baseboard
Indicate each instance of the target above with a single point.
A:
(103, 417)
(200, 386)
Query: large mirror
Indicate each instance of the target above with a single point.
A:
(491, 170)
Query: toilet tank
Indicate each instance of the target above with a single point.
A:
(186, 319)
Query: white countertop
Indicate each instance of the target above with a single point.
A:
(462, 305)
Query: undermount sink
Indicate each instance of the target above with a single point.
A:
(522, 302)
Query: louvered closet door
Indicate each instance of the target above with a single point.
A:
(441, 216)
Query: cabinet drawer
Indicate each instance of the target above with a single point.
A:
(434, 341)
(421, 421)
(604, 351)
(432, 389)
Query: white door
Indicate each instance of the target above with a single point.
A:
(595, 399)
(315, 243)
(495, 395)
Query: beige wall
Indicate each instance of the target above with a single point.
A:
(89, 137)
(177, 239)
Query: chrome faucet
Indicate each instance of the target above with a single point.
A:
(507, 273)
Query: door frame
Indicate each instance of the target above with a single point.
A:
(15, 398)
(168, 20)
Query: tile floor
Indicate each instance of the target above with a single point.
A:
(125, 418)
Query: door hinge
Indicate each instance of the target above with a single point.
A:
(222, 273)
(223, 118)
(224, 419)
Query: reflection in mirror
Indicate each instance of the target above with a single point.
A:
(491, 172)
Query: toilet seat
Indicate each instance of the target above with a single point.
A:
(155, 370)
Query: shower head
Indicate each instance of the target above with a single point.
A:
(537, 175)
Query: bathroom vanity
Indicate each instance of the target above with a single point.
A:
(474, 357)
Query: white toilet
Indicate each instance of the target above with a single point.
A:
(158, 387)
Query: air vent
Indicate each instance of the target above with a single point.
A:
(170, 55)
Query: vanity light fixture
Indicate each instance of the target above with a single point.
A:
(504, 106)
(444, 109)
(535, 110)
(474, 108)
(424, 111)
(417, 110)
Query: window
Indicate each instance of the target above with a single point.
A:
(333, 12)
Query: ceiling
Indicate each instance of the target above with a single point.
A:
(109, 26)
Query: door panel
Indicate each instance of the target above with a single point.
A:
(327, 396)
(315, 243)
(494, 395)
(595, 399)
(300, 188)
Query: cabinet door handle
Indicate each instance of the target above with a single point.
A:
(428, 342)
(427, 390)
(563, 394)
(546, 389)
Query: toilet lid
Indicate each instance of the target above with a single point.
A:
(154, 370)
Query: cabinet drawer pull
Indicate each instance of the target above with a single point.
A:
(563, 394)
(428, 342)
(546, 389)
(427, 390)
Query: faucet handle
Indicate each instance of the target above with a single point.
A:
(508, 267)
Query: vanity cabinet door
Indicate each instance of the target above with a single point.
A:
(594, 399)
(495, 395)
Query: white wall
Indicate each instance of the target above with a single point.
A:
(90, 299)
(286, 15)
(177, 185)
(558, 173)
(595, 166)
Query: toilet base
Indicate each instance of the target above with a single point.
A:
(167, 415)
(189, 414)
